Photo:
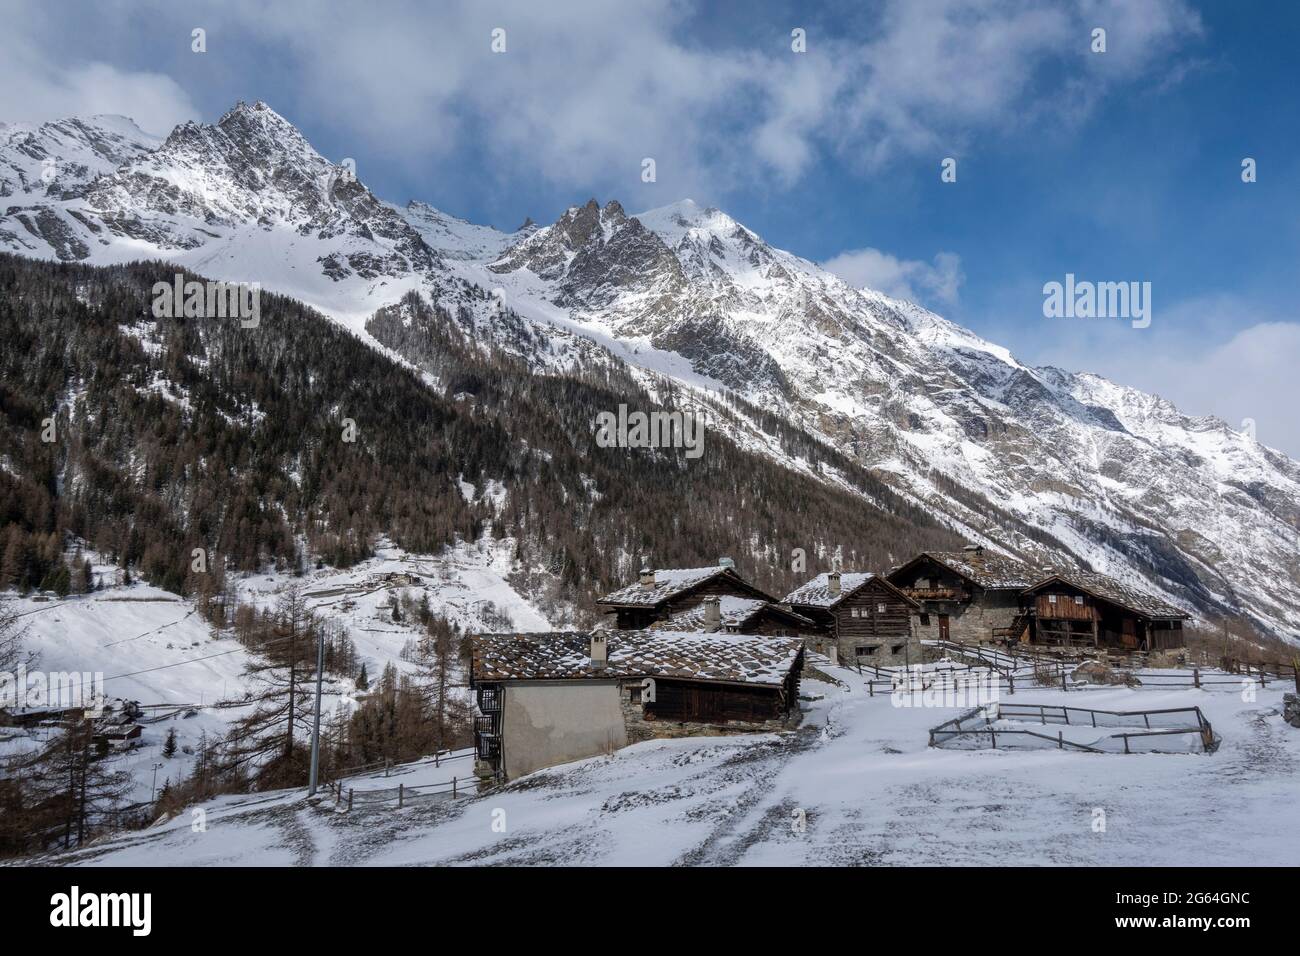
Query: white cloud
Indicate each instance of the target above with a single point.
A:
(38, 83)
(935, 284)
(587, 89)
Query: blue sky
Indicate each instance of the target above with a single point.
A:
(1115, 166)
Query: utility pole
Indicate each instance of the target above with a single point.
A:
(315, 730)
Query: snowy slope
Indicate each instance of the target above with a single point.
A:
(153, 647)
(1025, 459)
(859, 773)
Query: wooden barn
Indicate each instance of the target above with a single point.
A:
(972, 595)
(553, 697)
(660, 594)
(865, 618)
(1086, 609)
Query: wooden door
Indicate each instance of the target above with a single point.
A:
(943, 627)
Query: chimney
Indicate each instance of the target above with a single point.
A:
(725, 562)
(712, 613)
(647, 578)
(599, 650)
(833, 582)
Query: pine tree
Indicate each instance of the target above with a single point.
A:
(270, 742)
(12, 632)
(73, 790)
(169, 745)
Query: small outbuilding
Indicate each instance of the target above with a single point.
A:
(553, 697)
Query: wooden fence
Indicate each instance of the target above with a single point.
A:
(978, 727)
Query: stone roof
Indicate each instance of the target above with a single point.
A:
(987, 569)
(669, 583)
(1107, 588)
(816, 593)
(736, 613)
(566, 655)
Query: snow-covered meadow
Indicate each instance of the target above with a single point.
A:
(857, 783)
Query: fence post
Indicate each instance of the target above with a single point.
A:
(453, 787)
(349, 799)
(1196, 677)
(1060, 740)
(401, 795)
(1011, 683)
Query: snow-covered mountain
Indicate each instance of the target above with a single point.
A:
(1028, 459)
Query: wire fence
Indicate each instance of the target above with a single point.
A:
(997, 727)
(348, 798)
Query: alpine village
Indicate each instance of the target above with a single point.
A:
(694, 651)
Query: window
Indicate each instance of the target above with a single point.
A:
(923, 583)
(925, 620)
(853, 612)
(1078, 599)
(634, 695)
(1051, 599)
(868, 651)
(881, 608)
(896, 649)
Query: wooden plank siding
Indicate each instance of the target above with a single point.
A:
(714, 704)
(1065, 606)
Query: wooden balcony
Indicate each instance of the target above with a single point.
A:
(937, 594)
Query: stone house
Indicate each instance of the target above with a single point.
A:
(972, 596)
(864, 618)
(553, 697)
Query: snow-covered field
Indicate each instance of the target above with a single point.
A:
(858, 775)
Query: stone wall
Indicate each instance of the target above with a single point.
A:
(546, 723)
(972, 623)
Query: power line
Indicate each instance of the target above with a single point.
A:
(195, 660)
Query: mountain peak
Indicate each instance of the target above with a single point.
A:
(677, 220)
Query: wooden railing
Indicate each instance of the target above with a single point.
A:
(936, 594)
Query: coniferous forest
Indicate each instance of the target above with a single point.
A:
(296, 442)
